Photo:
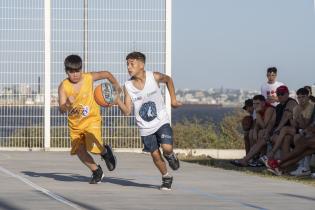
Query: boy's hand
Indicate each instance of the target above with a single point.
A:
(175, 104)
(117, 88)
(69, 102)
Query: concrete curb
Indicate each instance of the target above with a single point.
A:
(214, 153)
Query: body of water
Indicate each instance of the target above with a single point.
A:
(203, 113)
(12, 117)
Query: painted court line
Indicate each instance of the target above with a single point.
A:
(211, 196)
(41, 189)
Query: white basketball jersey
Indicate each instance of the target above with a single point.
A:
(149, 105)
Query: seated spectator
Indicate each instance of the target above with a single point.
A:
(265, 120)
(248, 124)
(301, 119)
(305, 147)
(282, 132)
(312, 98)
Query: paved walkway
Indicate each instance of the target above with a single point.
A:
(56, 180)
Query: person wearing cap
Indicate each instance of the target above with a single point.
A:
(284, 116)
(248, 124)
(269, 88)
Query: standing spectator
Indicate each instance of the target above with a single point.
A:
(269, 88)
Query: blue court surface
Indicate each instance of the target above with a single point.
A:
(56, 180)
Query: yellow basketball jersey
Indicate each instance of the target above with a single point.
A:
(84, 110)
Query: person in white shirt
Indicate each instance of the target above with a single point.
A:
(142, 91)
(269, 88)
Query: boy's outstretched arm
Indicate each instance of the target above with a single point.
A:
(125, 106)
(106, 75)
(159, 77)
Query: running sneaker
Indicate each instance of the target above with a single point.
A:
(172, 161)
(109, 158)
(97, 175)
(166, 183)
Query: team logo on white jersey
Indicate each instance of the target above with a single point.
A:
(148, 111)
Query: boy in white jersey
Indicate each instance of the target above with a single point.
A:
(143, 92)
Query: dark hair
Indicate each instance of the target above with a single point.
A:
(259, 97)
(272, 70)
(73, 62)
(302, 91)
(309, 88)
(136, 55)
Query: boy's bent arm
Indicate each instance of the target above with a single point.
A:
(287, 114)
(106, 75)
(159, 77)
(125, 106)
(64, 106)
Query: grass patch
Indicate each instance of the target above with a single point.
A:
(259, 171)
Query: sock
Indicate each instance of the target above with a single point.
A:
(169, 155)
(166, 175)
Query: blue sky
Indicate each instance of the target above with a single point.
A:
(230, 43)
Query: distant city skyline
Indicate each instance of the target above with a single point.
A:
(230, 44)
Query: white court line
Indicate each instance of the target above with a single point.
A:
(41, 189)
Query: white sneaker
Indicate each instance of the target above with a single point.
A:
(301, 171)
(313, 175)
(263, 159)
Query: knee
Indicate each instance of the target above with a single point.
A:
(167, 149)
(156, 156)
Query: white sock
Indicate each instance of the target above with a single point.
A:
(166, 175)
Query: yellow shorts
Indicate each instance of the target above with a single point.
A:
(90, 137)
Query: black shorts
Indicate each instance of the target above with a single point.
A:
(162, 136)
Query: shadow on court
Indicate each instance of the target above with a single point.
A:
(8, 205)
(69, 177)
(298, 196)
(66, 177)
(128, 182)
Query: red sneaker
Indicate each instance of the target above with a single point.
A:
(273, 167)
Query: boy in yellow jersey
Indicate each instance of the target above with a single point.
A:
(84, 119)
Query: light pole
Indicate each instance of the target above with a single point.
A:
(85, 36)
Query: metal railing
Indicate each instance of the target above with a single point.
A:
(36, 36)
